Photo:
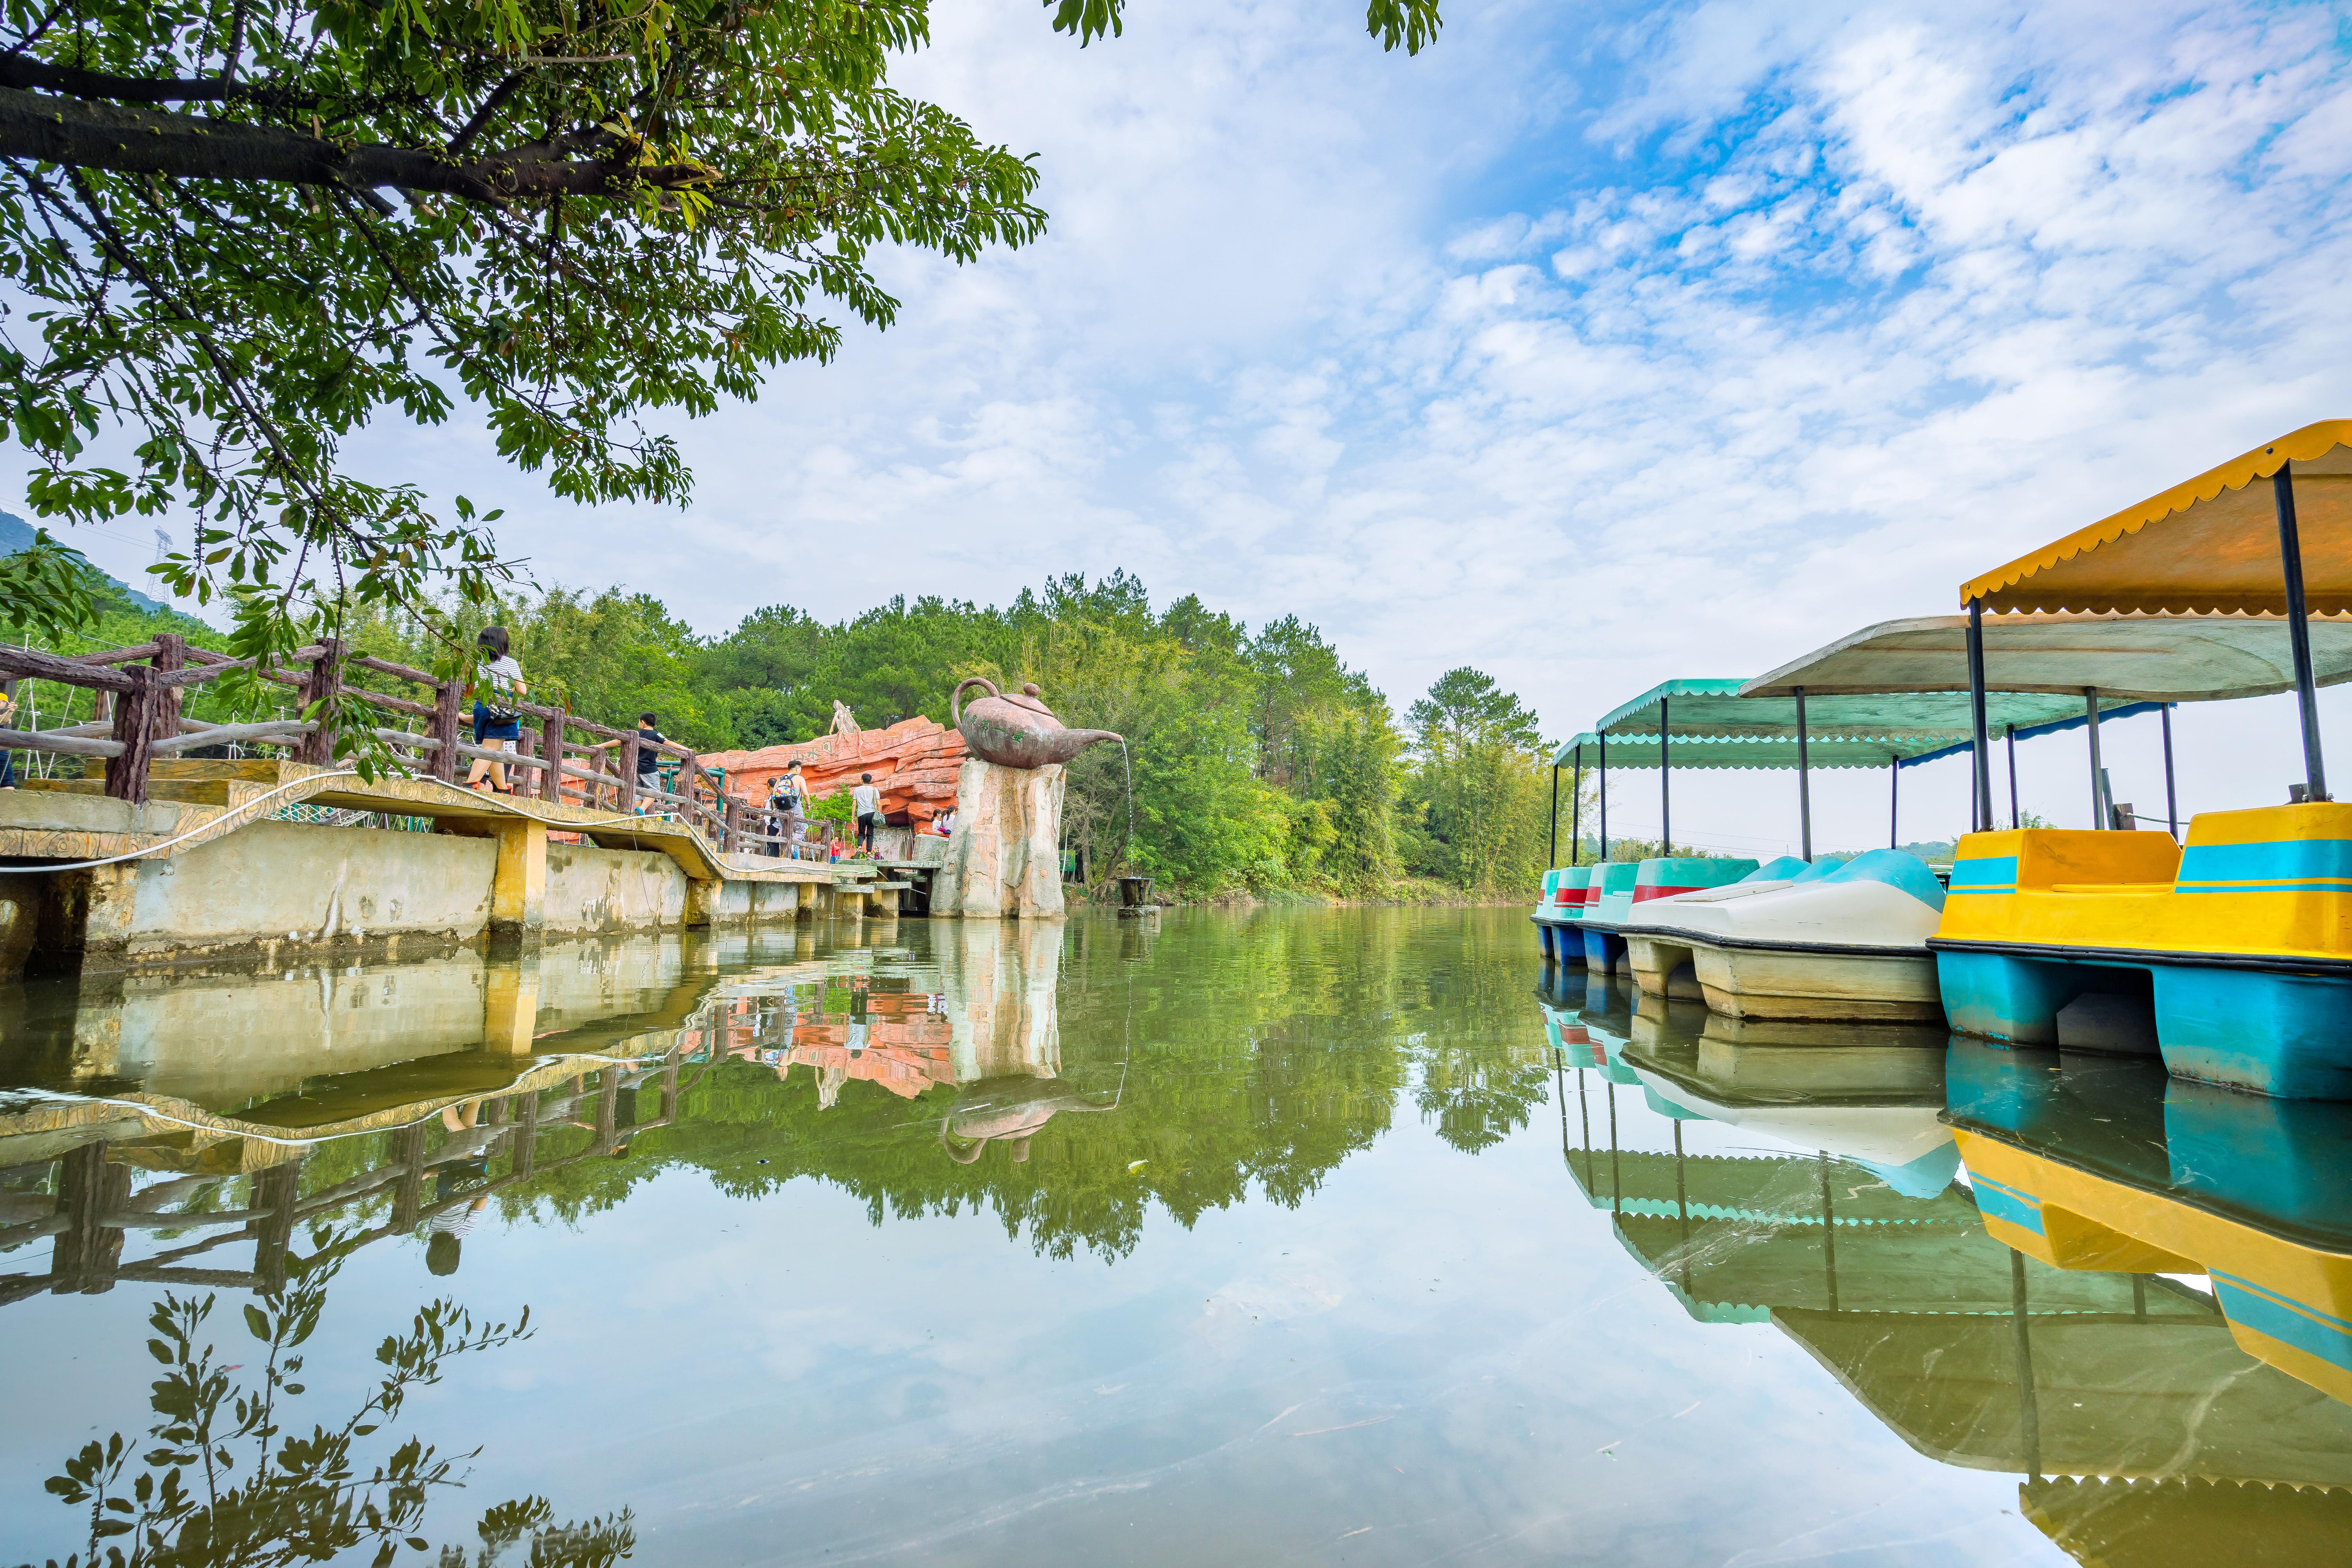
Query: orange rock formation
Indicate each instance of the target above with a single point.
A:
(914, 764)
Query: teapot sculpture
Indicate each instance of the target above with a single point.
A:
(1016, 731)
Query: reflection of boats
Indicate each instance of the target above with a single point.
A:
(1976, 1354)
(2109, 1166)
(1828, 940)
(1876, 1103)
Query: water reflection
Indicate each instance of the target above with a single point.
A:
(2136, 1297)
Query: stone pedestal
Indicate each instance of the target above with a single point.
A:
(1004, 858)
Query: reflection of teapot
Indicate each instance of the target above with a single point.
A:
(1016, 731)
(1008, 1108)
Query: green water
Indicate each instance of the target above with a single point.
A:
(1343, 1236)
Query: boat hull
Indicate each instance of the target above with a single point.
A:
(1812, 984)
(2231, 957)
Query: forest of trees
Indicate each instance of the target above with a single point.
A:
(1262, 763)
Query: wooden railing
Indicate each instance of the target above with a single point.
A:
(145, 685)
(95, 1207)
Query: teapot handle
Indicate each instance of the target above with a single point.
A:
(955, 698)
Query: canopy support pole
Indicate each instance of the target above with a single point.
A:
(1893, 801)
(1604, 800)
(2171, 804)
(1979, 762)
(1665, 802)
(1575, 805)
(2091, 722)
(2298, 632)
(2014, 816)
(1804, 787)
(1551, 850)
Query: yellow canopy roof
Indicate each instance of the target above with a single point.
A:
(2209, 546)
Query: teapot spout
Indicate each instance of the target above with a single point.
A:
(1068, 743)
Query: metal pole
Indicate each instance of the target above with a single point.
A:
(1575, 806)
(2014, 816)
(1979, 744)
(2298, 632)
(1804, 787)
(1665, 805)
(1551, 853)
(2171, 804)
(1893, 801)
(1604, 801)
(2091, 722)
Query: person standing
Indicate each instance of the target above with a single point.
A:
(498, 716)
(867, 802)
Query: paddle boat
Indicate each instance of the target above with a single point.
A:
(2233, 957)
(1557, 911)
(2105, 1166)
(1835, 942)
(1608, 899)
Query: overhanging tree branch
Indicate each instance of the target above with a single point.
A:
(78, 135)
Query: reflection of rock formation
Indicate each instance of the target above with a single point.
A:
(998, 983)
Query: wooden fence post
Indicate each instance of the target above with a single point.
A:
(551, 752)
(628, 756)
(136, 717)
(171, 654)
(689, 773)
(326, 678)
(730, 838)
(446, 697)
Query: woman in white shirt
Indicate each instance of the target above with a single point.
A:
(497, 721)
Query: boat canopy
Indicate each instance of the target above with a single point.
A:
(2209, 545)
(2130, 659)
(1907, 721)
(2029, 732)
(1749, 751)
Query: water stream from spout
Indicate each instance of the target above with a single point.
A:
(1126, 849)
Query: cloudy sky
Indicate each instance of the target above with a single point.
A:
(1597, 345)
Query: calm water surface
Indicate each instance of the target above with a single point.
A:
(1334, 1236)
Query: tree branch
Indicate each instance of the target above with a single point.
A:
(22, 72)
(142, 142)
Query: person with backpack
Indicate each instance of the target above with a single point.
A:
(788, 799)
(497, 713)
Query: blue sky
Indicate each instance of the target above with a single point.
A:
(1596, 346)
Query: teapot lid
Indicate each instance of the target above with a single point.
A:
(1028, 699)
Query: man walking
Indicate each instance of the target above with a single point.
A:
(867, 802)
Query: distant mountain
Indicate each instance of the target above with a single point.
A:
(16, 534)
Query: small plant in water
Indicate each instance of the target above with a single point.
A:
(224, 1482)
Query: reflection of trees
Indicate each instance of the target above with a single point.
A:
(226, 1481)
(1260, 1052)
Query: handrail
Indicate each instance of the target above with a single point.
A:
(146, 724)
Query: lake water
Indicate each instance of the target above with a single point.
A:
(1280, 1236)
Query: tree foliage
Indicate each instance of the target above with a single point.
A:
(241, 230)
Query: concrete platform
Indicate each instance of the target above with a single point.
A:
(213, 877)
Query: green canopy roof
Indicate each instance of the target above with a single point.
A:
(1745, 750)
(1711, 707)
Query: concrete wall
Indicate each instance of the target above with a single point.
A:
(590, 888)
(299, 883)
(274, 894)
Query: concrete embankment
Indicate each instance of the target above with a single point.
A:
(213, 879)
